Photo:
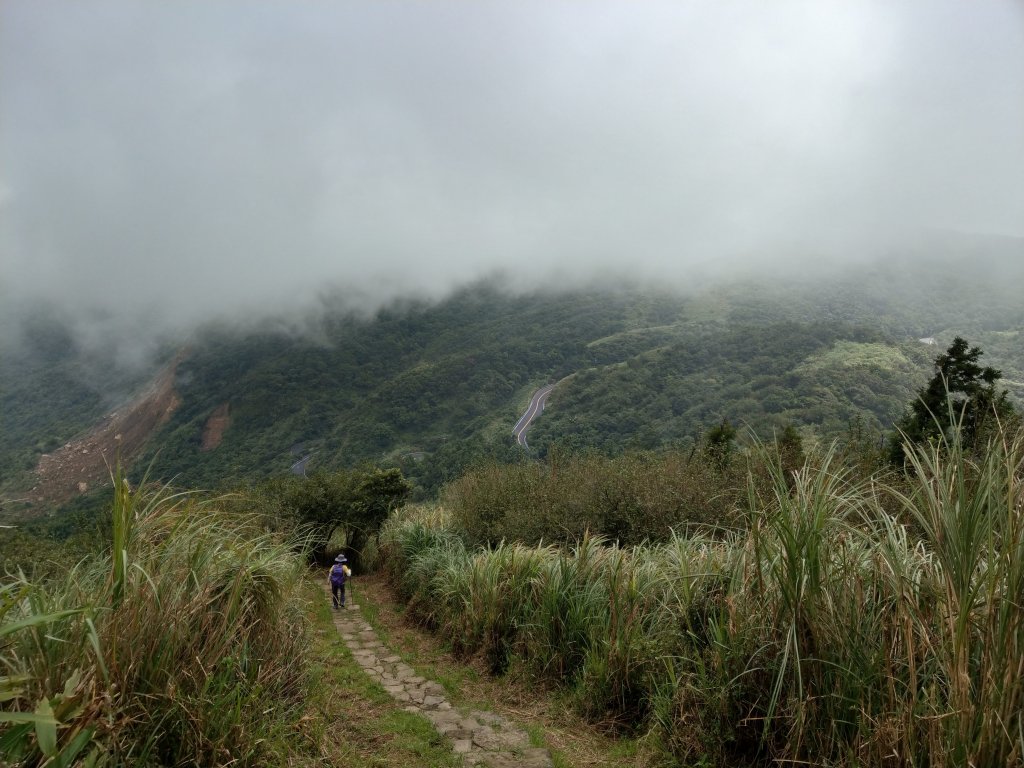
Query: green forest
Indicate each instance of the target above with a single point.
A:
(433, 388)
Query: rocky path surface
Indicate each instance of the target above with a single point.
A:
(482, 738)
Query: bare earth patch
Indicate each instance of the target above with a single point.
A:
(216, 426)
(85, 462)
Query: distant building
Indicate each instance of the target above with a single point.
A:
(930, 341)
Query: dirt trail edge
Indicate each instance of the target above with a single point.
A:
(482, 738)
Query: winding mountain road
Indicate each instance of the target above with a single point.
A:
(536, 408)
(299, 467)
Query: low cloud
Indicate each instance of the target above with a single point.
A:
(165, 164)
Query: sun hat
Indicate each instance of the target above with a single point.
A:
(341, 559)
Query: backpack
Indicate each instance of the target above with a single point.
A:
(337, 574)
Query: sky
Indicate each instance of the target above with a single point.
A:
(162, 164)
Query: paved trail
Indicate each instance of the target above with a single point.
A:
(482, 738)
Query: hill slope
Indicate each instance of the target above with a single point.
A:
(433, 387)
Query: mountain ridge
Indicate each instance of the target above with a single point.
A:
(432, 387)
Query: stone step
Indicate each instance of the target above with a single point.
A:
(482, 738)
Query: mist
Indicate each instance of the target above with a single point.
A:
(167, 164)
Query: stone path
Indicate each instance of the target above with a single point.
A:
(482, 738)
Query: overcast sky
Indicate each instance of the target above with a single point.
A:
(177, 159)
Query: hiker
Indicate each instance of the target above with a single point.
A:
(339, 574)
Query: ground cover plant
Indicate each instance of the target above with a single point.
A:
(846, 620)
(185, 644)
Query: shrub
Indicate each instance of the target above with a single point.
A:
(628, 499)
(346, 506)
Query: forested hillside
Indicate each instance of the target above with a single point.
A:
(434, 387)
(825, 355)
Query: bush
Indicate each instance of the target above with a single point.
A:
(627, 499)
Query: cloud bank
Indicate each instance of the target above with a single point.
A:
(179, 161)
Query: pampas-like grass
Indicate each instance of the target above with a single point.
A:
(848, 621)
(183, 645)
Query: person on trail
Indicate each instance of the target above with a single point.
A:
(338, 576)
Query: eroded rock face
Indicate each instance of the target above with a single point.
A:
(88, 460)
(482, 738)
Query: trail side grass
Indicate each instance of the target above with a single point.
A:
(540, 708)
(843, 620)
(183, 644)
(196, 638)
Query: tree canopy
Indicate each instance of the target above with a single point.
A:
(962, 395)
(357, 500)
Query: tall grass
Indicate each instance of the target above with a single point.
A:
(569, 603)
(847, 621)
(971, 514)
(183, 645)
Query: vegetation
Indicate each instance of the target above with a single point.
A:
(165, 650)
(51, 389)
(405, 387)
(844, 620)
(738, 603)
(635, 497)
(336, 510)
(627, 498)
(434, 388)
(961, 395)
(44, 549)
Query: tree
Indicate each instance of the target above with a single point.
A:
(961, 396)
(377, 493)
(356, 500)
(718, 443)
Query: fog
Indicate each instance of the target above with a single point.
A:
(163, 164)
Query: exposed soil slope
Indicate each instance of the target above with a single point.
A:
(216, 426)
(85, 462)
